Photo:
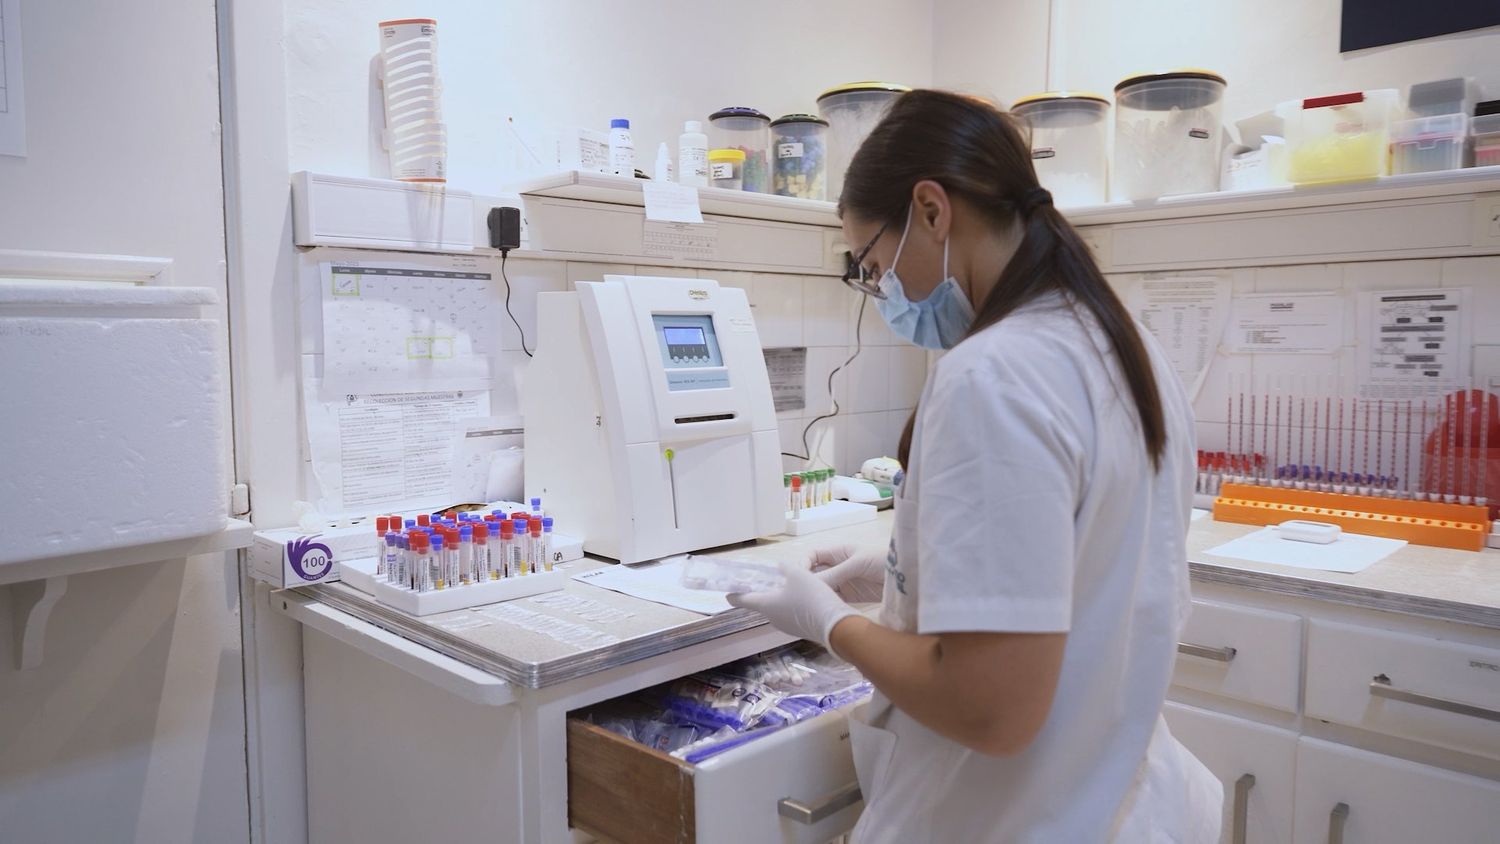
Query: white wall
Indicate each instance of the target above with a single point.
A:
(1268, 51)
(133, 726)
(579, 63)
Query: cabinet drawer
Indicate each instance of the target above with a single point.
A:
(1241, 652)
(626, 792)
(1414, 686)
(1388, 800)
(1234, 749)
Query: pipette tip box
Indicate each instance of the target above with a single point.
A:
(472, 595)
(835, 514)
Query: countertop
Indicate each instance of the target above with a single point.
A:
(1438, 583)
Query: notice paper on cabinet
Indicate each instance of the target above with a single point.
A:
(388, 451)
(12, 87)
(1186, 315)
(394, 327)
(1415, 343)
(1286, 323)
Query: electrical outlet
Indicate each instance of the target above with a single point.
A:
(1487, 219)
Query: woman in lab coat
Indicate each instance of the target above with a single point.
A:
(1037, 578)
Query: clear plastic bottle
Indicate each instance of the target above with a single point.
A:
(692, 155)
(663, 171)
(621, 148)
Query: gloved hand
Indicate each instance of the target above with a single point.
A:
(856, 573)
(805, 607)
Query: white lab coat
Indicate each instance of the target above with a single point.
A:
(1030, 506)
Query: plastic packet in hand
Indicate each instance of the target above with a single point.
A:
(724, 574)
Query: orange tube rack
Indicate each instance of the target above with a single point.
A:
(1461, 526)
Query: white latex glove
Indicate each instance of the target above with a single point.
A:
(856, 573)
(805, 607)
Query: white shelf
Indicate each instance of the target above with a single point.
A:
(236, 534)
(620, 190)
(1410, 186)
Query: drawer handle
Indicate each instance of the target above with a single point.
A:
(1336, 820)
(1224, 654)
(827, 805)
(1381, 687)
(1242, 788)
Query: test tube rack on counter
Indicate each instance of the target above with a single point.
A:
(816, 501)
(1416, 469)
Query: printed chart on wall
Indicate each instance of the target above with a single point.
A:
(1416, 342)
(1286, 323)
(396, 327)
(1186, 315)
(12, 88)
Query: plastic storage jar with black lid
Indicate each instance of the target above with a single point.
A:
(799, 150)
(1069, 144)
(852, 111)
(1168, 134)
(749, 131)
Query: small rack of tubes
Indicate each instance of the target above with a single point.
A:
(1416, 469)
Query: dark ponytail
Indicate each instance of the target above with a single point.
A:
(980, 153)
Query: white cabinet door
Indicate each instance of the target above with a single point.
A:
(1256, 763)
(1385, 800)
(1241, 652)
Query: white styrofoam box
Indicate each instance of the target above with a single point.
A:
(380, 213)
(114, 408)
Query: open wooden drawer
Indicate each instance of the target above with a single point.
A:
(796, 785)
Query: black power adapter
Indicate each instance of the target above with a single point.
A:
(505, 228)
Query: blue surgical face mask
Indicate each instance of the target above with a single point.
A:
(938, 321)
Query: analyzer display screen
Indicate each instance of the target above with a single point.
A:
(685, 342)
(688, 342)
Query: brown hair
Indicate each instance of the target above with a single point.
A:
(982, 154)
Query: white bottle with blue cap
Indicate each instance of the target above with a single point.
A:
(621, 148)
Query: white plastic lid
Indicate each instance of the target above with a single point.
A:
(692, 127)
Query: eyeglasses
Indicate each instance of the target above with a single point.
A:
(854, 275)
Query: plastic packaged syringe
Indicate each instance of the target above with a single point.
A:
(724, 574)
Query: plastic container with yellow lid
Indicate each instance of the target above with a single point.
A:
(726, 168)
(1069, 144)
(1168, 134)
(852, 111)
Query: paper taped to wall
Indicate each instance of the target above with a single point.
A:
(399, 327)
(12, 86)
(1415, 343)
(1186, 315)
(1286, 323)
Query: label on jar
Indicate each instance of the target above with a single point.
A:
(1200, 134)
(1043, 152)
(789, 150)
(722, 170)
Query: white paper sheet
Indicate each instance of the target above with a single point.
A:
(386, 451)
(671, 203)
(1186, 315)
(680, 241)
(478, 441)
(1350, 553)
(1415, 343)
(660, 582)
(1286, 323)
(406, 327)
(12, 86)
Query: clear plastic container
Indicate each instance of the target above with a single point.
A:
(852, 111)
(749, 131)
(1168, 134)
(1069, 144)
(1441, 97)
(726, 168)
(1342, 138)
(726, 574)
(1484, 128)
(799, 144)
(1429, 144)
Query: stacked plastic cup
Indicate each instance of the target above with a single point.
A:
(415, 134)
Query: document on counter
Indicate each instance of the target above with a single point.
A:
(407, 326)
(1286, 323)
(1350, 553)
(659, 581)
(1186, 315)
(1415, 343)
(387, 450)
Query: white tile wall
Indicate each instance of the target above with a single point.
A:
(874, 393)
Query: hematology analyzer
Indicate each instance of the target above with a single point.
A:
(649, 421)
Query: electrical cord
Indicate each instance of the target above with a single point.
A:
(859, 323)
(505, 253)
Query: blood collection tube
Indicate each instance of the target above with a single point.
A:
(507, 540)
(547, 550)
(786, 491)
(483, 571)
(439, 557)
(424, 520)
(518, 547)
(536, 508)
(388, 558)
(467, 572)
(796, 496)
(538, 553)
